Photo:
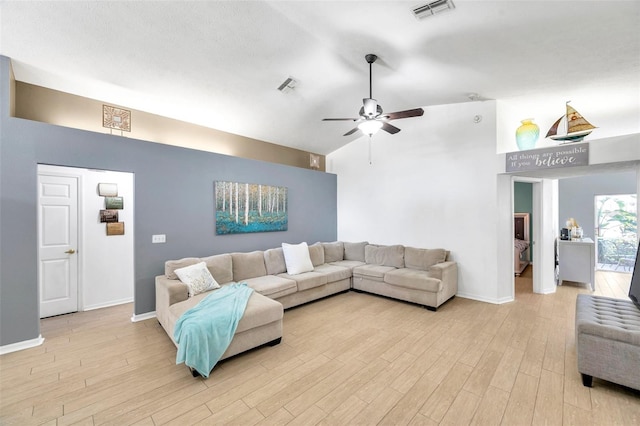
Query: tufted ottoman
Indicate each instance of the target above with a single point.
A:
(608, 340)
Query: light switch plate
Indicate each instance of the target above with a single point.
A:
(160, 238)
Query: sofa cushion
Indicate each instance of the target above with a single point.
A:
(171, 265)
(333, 272)
(414, 279)
(220, 266)
(272, 286)
(248, 265)
(354, 251)
(296, 257)
(260, 310)
(316, 253)
(306, 280)
(376, 271)
(416, 258)
(348, 263)
(197, 278)
(274, 261)
(384, 255)
(333, 252)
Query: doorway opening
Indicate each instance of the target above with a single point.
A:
(81, 264)
(523, 217)
(616, 230)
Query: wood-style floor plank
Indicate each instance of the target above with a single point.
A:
(348, 359)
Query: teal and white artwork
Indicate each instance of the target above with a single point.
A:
(248, 207)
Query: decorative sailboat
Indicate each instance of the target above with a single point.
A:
(574, 124)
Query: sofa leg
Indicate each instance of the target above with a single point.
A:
(275, 342)
(430, 308)
(195, 372)
(587, 380)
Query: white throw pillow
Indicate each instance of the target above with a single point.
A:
(198, 278)
(297, 259)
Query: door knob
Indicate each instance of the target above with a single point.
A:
(71, 251)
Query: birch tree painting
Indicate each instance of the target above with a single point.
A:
(250, 207)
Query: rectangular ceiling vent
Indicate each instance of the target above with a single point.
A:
(432, 8)
(287, 85)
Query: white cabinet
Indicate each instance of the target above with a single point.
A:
(576, 261)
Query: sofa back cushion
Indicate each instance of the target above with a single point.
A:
(333, 252)
(171, 265)
(384, 255)
(423, 259)
(274, 261)
(220, 267)
(316, 253)
(248, 265)
(354, 251)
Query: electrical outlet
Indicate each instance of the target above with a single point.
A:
(161, 238)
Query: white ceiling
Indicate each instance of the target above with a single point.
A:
(218, 63)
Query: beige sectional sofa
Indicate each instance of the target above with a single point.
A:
(420, 276)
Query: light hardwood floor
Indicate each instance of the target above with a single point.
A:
(349, 359)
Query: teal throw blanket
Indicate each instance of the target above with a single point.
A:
(205, 331)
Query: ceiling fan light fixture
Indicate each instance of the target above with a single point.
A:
(370, 127)
(431, 8)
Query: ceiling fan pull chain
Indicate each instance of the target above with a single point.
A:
(370, 161)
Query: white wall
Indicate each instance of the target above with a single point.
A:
(434, 184)
(106, 262)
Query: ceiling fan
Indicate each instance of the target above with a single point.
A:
(371, 117)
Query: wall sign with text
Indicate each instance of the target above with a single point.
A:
(548, 158)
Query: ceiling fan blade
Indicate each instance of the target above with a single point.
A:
(340, 119)
(350, 132)
(389, 128)
(417, 112)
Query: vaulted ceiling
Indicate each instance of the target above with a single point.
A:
(219, 63)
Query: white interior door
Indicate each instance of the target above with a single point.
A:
(57, 244)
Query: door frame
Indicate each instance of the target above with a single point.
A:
(51, 170)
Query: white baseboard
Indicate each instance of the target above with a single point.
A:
(485, 299)
(142, 317)
(14, 347)
(107, 304)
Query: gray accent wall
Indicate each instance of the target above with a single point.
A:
(174, 195)
(576, 196)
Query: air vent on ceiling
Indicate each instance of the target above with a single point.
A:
(432, 8)
(287, 85)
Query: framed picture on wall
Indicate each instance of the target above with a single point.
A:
(248, 207)
(116, 118)
(107, 216)
(108, 189)
(113, 203)
(115, 228)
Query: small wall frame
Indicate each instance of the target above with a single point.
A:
(115, 228)
(108, 189)
(116, 118)
(113, 203)
(108, 216)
